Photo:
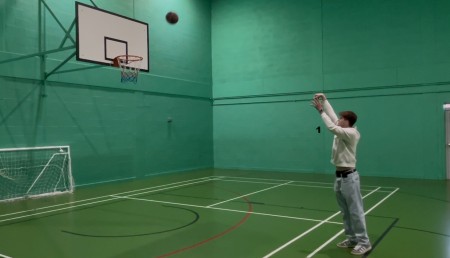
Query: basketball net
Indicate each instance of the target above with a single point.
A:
(129, 66)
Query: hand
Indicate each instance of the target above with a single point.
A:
(317, 104)
(320, 96)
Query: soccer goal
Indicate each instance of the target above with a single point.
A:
(35, 171)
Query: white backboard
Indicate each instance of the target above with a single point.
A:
(102, 35)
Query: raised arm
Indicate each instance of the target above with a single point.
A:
(326, 106)
(330, 118)
(343, 133)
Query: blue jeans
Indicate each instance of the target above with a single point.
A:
(348, 195)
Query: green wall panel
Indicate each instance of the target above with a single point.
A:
(382, 43)
(280, 136)
(113, 134)
(116, 131)
(261, 62)
(266, 47)
(386, 60)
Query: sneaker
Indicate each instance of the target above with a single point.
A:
(360, 250)
(346, 244)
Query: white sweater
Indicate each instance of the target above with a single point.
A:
(345, 139)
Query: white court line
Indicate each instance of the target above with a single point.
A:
(376, 205)
(80, 205)
(314, 182)
(277, 180)
(150, 200)
(340, 232)
(249, 194)
(4, 256)
(146, 192)
(311, 186)
(222, 209)
(267, 183)
(99, 197)
(104, 196)
(309, 230)
(65, 208)
(178, 184)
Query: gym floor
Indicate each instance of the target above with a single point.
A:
(227, 213)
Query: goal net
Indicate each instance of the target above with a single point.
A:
(35, 171)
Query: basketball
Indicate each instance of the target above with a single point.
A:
(172, 17)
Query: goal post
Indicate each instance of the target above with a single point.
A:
(35, 171)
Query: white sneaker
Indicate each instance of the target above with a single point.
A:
(360, 250)
(346, 244)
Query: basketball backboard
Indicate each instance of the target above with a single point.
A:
(103, 35)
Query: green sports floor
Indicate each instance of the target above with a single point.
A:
(227, 213)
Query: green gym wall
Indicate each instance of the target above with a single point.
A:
(260, 62)
(116, 131)
(385, 60)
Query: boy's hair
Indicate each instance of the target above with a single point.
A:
(349, 116)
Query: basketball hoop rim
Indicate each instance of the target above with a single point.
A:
(126, 59)
(131, 58)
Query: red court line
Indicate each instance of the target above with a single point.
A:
(242, 221)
